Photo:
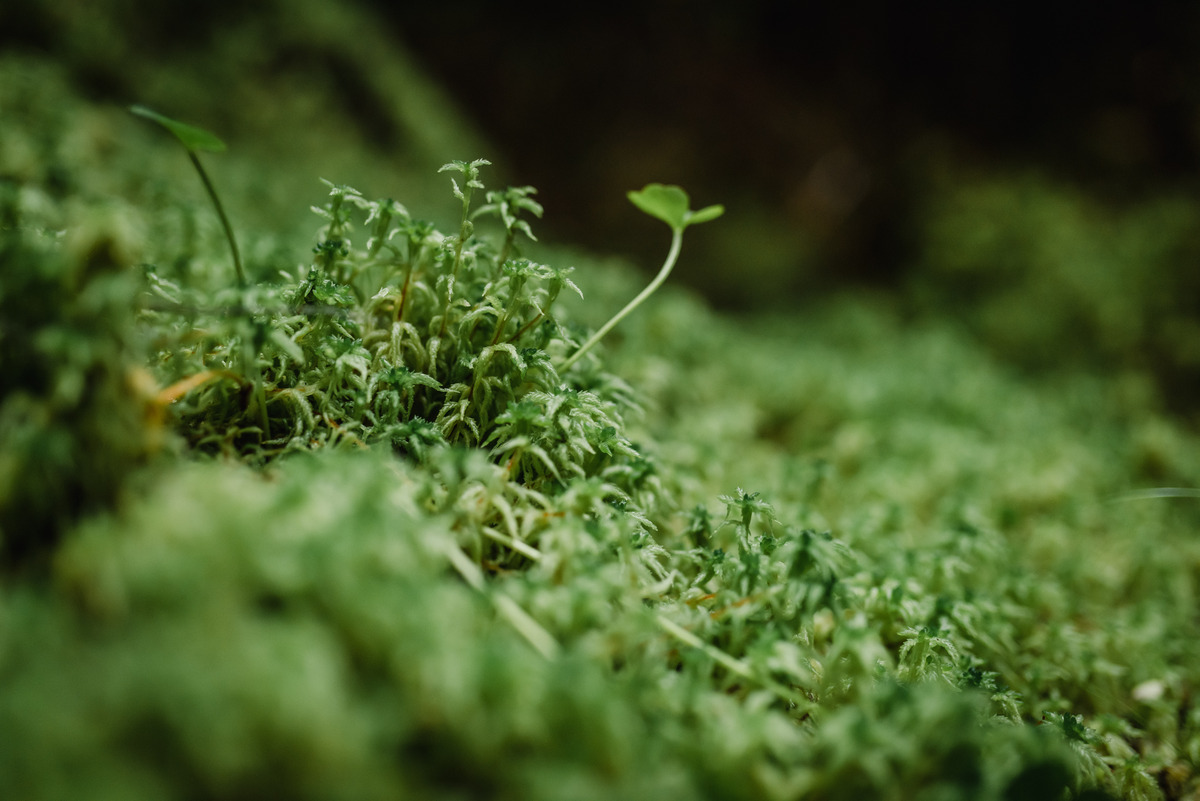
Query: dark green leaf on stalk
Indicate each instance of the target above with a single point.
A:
(189, 136)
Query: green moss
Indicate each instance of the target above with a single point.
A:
(1024, 262)
(844, 553)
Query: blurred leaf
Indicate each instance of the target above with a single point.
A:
(190, 136)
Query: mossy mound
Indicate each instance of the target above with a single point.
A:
(267, 541)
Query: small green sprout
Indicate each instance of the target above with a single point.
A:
(471, 182)
(195, 140)
(741, 508)
(671, 205)
(506, 205)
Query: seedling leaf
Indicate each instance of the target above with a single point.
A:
(667, 203)
(196, 139)
(705, 214)
(671, 205)
(189, 136)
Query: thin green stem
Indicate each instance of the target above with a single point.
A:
(525, 328)
(504, 251)
(404, 295)
(465, 229)
(672, 256)
(212, 193)
(510, 309)
(259, 398)
(249, 356)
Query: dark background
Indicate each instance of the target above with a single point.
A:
(1026, 172)
(817, 124)
(822, 127)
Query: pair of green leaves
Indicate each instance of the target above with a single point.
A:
(671, 205)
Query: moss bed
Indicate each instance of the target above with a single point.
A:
(882, 546)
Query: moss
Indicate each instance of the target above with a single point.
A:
(842, 553)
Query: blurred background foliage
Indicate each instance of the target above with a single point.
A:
(826, 118)
(1031, 169)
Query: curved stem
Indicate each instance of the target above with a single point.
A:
(212, 193)
(259, 397)
(465, 229)
(403, 295)
(672, 256)
(525, 328)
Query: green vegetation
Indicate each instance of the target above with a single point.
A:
(671, 205)
(196, 139)
(373, 523)
(1021, 261)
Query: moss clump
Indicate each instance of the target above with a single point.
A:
(76, 411)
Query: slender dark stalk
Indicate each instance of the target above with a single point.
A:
(216, 201)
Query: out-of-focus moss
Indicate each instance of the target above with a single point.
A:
(76, 415)
(1050, 277)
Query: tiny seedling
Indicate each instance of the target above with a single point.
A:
(507, 205)
(195, 140)
(671, 205)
